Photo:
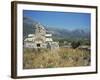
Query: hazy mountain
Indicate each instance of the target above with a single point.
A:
(29, 24)
(77, 33)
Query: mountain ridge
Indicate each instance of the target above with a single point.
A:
(29, 25)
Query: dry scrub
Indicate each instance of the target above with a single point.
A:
(64, 57)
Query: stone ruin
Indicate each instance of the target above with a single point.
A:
(40, 39)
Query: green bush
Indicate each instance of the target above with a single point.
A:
(75, 44)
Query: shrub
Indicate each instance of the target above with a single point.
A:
(75, 44)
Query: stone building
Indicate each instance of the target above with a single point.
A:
(40, 39)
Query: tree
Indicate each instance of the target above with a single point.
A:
(75, 44)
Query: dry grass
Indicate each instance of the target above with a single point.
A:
(64, 57)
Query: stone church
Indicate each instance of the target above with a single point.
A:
(40, 39)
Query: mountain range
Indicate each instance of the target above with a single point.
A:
(29, 25)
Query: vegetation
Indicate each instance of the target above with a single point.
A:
(69, 41)
(75, 44)
(64, 57)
